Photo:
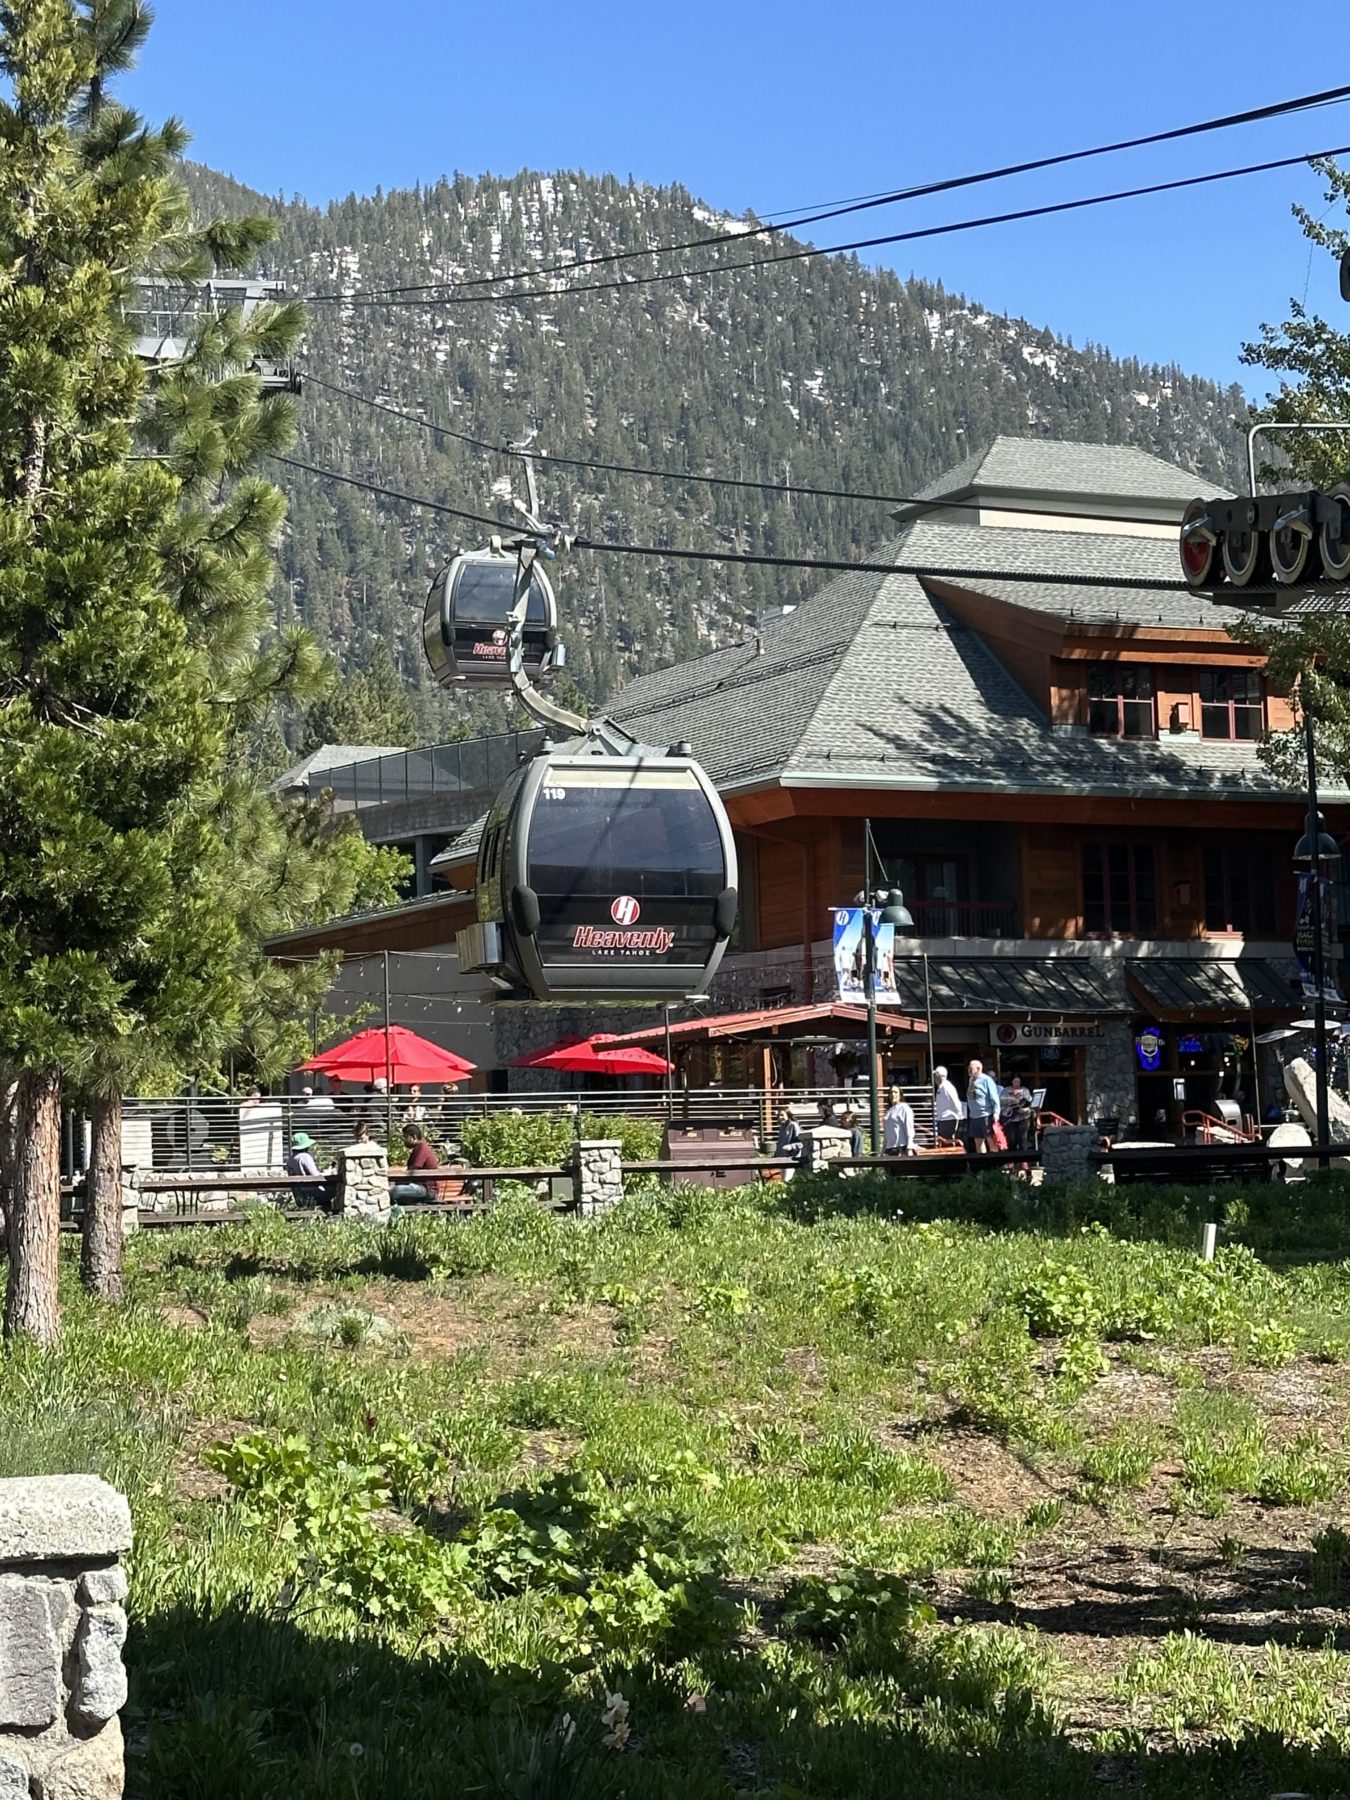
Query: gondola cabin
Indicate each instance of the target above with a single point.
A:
(465, 624)
(604, 878)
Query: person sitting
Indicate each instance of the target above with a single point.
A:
(788, 1144)
(421, 1155)
(855, 1134)
(301, 1162)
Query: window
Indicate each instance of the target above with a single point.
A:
(1120, 700)
(1231, 704)
(1119, 891)
(1239, 890)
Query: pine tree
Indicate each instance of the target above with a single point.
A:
(104, 727)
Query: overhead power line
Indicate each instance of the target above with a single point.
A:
(825, 565)
(865, 202)
(788, 490)
(895, 237)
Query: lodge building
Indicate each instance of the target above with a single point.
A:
(1062, 775)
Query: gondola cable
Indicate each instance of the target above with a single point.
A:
(808, 253)
(672, 553)
(687, 477)
(865, 202)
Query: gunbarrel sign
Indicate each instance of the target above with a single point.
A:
(1049, 1031)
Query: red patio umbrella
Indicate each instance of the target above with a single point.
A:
(591, 1056)
(393, 1052)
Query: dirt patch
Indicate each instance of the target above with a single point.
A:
(989, 1478)
(187, 1318)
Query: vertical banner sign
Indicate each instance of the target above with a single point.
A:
(1305, 943)
(850, 958)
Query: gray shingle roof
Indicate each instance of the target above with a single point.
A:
(1060, 466)
(873, 681)
(935, 542)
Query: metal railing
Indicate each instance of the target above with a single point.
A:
(965, 918)
(473, 770)
(210, 1134)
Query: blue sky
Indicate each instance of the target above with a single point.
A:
(777, 106)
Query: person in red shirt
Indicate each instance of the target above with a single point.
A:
(421, 1155)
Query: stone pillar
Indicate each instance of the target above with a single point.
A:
(62, 1628)
(131, 1199)
(598, 1175)
(363, 1183)
(824, 1144)
(1066, 1150)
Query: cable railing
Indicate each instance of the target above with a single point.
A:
(205, 1134)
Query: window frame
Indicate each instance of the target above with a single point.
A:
(1114, 670)
(1231, 707)
(1141, 907)
(1254, 861)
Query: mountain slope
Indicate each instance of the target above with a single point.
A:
(814, 373)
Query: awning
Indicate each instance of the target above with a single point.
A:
(1064, 986)
(823, 1020)
(1181, 988)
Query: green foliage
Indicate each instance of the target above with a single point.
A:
(454, 1551)
(855, 1603)
(512, 1140)
(370, 706)
(639, 1139)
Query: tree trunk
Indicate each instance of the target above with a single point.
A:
(35, 1217)
(101, 1249)
(8, 1091)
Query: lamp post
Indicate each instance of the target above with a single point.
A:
(1315, 851)
(884, 907)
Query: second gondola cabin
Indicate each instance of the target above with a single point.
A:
(604, 878)
(465, 624)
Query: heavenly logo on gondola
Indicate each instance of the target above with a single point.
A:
(497, 648)
(625, 911)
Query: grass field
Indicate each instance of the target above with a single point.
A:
(729, 1494)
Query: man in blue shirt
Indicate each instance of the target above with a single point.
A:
(982, 1102)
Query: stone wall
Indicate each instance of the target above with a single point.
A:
(363, 1183)
(599, 1175)
(1109, 1074)
(62, 1629)
(824, 1144)
(1065, 1152)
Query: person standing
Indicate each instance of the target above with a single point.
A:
(982, 1108)
(946, 1107)
(1017, 1115)
(898, 1130)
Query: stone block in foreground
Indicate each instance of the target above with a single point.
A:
(62, 1631)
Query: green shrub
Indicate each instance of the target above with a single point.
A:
(512, 1140)
(639, 1139)
(854, 1603)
